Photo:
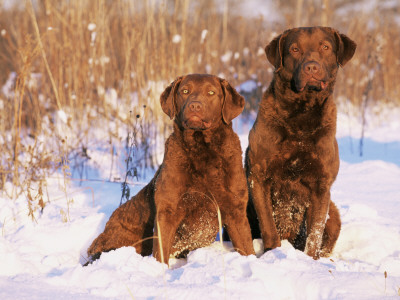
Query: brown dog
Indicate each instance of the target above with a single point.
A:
(292, 159)
(202, 170)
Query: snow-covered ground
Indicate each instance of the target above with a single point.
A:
(43, 259)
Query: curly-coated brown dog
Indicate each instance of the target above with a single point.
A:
(202, 170)
(292, 159)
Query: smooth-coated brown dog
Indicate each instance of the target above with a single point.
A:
(202, 170)
(292, 158)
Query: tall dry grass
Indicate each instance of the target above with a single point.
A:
(68, 55)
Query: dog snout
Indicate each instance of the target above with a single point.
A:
(196, 106)
(311, 67)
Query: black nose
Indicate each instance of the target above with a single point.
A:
(311, 67)
(195, 106)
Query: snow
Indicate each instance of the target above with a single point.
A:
(42, 259)
(268, 10)
(176, 39)
(248, 86)
(91, 26)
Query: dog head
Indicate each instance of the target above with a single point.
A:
(309, 57)
(201, 101)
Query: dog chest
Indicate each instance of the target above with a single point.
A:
(295, 160)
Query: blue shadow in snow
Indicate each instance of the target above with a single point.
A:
(349, 150)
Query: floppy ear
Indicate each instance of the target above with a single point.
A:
(167, 98)
(274, 51)
(233, 103)
(345, 48)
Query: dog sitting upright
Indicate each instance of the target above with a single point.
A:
(202, 170)
(292, 158)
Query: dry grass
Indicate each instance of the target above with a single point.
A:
(135, 48)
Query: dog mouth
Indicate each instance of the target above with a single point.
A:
(312, 84)
(195, 122)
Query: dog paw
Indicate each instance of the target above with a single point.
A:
(272, 243)
(312, 249)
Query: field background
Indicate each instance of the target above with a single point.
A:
(103, 64)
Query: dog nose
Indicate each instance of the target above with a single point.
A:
(195, 106)
(311, 67)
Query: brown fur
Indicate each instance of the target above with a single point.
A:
(202, 169)
(292, 159)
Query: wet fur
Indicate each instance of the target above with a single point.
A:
(292, 158)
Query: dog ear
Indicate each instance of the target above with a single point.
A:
(233, 103)
(274, 51)
(345, 48)
(167, 98)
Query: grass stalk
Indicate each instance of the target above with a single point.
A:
(36, 28)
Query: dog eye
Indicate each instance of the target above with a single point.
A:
(325, 47)
(185, 91)
(295, 49)
(211, 92)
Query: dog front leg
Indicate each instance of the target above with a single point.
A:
(165, 227)
(238, 228)
(317, 215)
(260, 195)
